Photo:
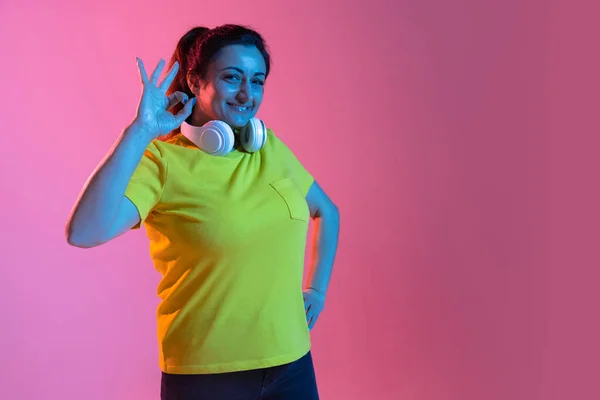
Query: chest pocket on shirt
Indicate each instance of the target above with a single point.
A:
(292, 197)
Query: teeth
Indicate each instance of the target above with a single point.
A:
(239, 108)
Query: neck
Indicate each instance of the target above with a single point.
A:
(198, 118)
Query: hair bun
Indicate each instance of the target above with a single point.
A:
(191, 37)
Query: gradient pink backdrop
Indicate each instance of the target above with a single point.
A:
(443, 129)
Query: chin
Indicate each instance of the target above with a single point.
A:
(237, 122)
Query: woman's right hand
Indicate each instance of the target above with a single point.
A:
(153, 115)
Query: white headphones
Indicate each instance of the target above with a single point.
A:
(217, 138)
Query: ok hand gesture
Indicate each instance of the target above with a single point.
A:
(153, 110)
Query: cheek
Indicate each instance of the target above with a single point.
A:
(258, 95)
(224, 92)
(206, 99)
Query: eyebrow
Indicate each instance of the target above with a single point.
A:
(241, 72)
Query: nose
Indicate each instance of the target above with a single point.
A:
(245, 94)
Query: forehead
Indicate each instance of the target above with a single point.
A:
(248, 58)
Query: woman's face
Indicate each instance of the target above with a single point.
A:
(233, 89)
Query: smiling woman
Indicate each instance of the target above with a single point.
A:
(226, 206)
(225, 69)
(233, 88)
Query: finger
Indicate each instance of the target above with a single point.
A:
(157, 71)
(309, 315)
(312, 322)
(175, 98)
(317, 308)
(142, 69)
(166, 83)
(186, 111)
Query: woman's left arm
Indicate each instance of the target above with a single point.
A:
(325, 240)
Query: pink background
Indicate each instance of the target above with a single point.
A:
(457, 137)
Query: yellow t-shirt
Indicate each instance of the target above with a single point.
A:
(228, 235)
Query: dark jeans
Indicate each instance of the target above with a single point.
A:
(293, 381)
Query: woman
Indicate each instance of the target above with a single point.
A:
(227, 225)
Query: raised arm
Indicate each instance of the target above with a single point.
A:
(101, 202)
(102, 212)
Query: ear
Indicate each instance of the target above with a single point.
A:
(193, 82)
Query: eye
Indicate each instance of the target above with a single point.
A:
(259, 82)
(232, 77)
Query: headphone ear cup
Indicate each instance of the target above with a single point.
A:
(216, 138)
(254, 135)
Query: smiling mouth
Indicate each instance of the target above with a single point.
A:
(239, 108)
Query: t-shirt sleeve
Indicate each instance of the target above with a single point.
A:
(298, 173)
(147, 182)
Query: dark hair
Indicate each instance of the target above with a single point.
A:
(197, 48)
